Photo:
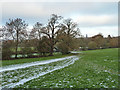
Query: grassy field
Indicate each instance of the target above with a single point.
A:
(28, 60)
(94, 69)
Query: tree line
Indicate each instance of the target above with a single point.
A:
(58, 34)
(98, 42)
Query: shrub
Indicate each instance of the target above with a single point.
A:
(92, 45)
(6, 50)
(26, 51)
(63, 48)
(43, 46)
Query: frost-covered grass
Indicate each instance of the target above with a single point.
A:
(28, 60)
(95, 69)
(14, 78)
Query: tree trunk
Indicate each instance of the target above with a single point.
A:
(16, 49)
(51, 51)
(51, 48)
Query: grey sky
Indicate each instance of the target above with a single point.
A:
(92, 17)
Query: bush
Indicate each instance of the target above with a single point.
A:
(92, 45)
(26, 51)
(6, 50)
(43, 46)
(63, 48)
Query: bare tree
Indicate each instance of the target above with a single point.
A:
(51, 30)
(70, 28)
(16, 30)
(68, 34)
(43, 46)
(36, 31)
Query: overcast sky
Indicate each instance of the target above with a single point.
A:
(92, 17)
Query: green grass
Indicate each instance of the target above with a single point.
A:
(94, 69)
(28, 60)
(9, 77)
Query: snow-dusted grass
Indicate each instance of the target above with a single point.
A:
(16, 75)
(29, 60)
(95, 69)
(26, 65)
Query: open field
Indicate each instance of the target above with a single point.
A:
(89, 69)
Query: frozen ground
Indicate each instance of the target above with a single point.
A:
(14, 75)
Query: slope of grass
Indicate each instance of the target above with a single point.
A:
(94, 69)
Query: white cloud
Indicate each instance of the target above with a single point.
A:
(96, 20)
(0, 15)
(80, 12)
(34, 9)
(92, 17)
(105, 30)
(25, 9)
(37, 9)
